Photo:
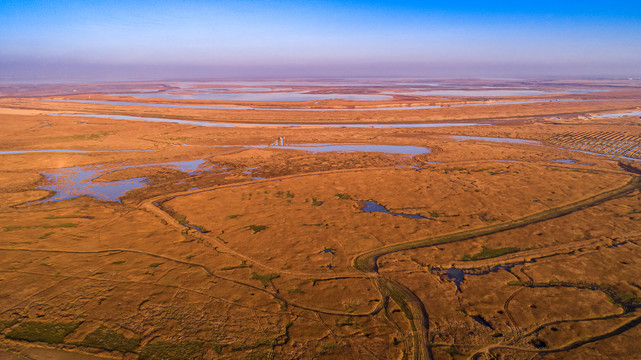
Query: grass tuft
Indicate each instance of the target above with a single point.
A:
(515, 283)
(182, 220)
(46, 235)
(18, 227)
(326, 348)
(243, 264)
(5, 324)
(487, 253)
(256, 228)
(265, 279)
(67, 217)
(48, 332)
(107, 339)
(280, 194)
(164, 350)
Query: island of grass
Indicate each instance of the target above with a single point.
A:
(488, 253)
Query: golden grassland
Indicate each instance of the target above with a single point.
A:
(212, 264)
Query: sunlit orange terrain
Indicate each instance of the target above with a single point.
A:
(301, 221)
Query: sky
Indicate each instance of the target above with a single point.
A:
(140, 39)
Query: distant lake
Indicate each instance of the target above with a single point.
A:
(257, 96)
(389, 149)
(223, 107)
(489, 93)
(231, 124)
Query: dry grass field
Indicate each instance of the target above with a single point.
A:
(469, 229)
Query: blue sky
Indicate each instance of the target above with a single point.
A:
(318, 38)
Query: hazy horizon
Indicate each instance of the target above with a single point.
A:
(145, 40)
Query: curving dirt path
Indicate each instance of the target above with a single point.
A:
(367, 262)
(413, 307)
(277, 296)
(573, 345)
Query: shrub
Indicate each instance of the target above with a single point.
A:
(163, 350)
(257, 228)
(107, 339)
(266, 279)
(49, 332)
(487, 253)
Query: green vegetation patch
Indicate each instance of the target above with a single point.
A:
(628, 299)
(153, 265)
(280, 194)
(49, 332)
(182, 220)
(91, 136)
(63, 225)
(18, 227)
(250, 346)
(487, 218)
(234, 216)
(614, 295)
(459, 169)
(257, 228)
(342, 196)
(95, 136)
(107, 339)
(617, 296)
(67, 217)
(283, 337)
(330, 347)
(118, 262)
(243, 264)
(487, 253)
(256, 354)
(5, 324)
(516, 283)
(265, 279)
(452, 351)
(46, 235)
(164, 350)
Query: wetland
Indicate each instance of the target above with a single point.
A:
(190, 227)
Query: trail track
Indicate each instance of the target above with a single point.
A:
(367, 262)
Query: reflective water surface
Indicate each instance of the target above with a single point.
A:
(223, 107)
(78, 181)
(257, 96)
(608, 116)
(390, 149)
(231, 124)
(372, 206)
